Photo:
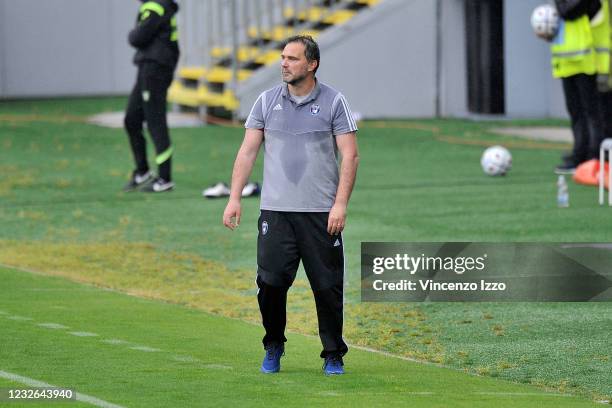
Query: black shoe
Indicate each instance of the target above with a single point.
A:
(568, 156)
(159, 185)
(567, 167)
(138, 180)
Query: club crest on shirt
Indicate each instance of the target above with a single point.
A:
(315, 109)
(264, 227)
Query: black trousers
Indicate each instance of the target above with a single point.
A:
(147, 103)
(284, 239)
(582, 101)
(605, 115)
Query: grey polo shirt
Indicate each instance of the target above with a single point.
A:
(300, 151)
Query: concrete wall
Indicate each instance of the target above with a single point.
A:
(530, 89)
(453, 67)
(383, 61)
(65, 47)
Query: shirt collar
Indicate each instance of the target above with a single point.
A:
(313, 95)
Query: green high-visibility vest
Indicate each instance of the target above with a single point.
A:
(572, 49)
(609, 3)
(600, 28)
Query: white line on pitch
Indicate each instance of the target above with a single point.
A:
(145, 349)
(412, 393)
(384, 353)
(191, 359)
(186, 359)
(115, 341)
(19, 318)
(39, 384)
(54, 326)
(331, 394)
(524, 394)
(83, 334)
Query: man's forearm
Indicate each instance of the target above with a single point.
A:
(348, 174)
(240, 175)
(144, 33)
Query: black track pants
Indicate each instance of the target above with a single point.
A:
(147, 103)
(582, 101)
(284, 239)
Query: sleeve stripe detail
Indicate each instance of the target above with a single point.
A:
(334, 103)
(254, 105)
(264, 105)
(349, 114)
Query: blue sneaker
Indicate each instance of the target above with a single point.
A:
(333, 365)
(271, 362)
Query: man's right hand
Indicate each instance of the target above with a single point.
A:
(231, 215)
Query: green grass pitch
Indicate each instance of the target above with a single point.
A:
(192, 282)
(151, 354)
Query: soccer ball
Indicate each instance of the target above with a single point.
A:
(496, 161)
(545, 21)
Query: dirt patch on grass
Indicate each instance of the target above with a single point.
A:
(13, 177)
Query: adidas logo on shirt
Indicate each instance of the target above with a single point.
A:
(337, 243)
(277, 107)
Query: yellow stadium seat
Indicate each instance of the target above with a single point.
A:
(192, 73)
(178, 93)
(313, 14)
(222, 75)
(339, 17)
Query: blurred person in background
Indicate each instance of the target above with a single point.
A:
(600, 29)
(588, 172)
(574, 62)
(155, 38)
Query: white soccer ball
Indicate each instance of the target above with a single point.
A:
(496, 161)
(545, 21)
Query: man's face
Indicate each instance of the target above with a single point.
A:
(294, 65)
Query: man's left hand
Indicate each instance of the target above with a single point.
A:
(337, 219)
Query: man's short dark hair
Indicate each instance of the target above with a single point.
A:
(311, 48)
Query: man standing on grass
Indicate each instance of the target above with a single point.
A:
(302, 124)
(155, 38)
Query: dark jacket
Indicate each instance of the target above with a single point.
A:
(573, 9)
(155, 37)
